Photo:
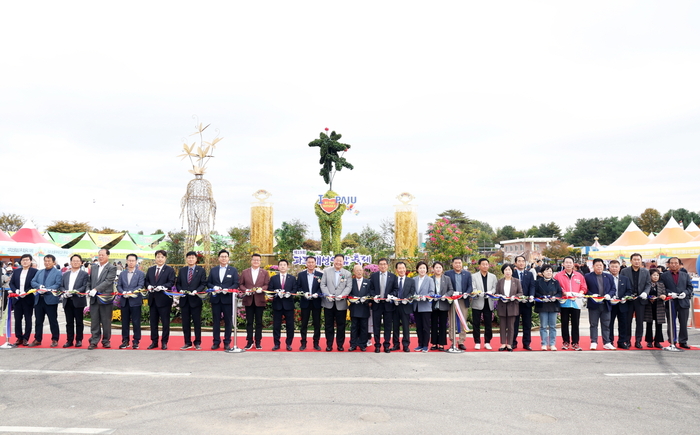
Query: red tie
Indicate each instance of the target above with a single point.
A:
(157, 273)
(189, 276)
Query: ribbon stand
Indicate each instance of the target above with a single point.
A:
(6, 324)
(453, 323)
(671, 328)
(235, 348)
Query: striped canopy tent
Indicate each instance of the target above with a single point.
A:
(30, 241)
(693, 229)
(65, 240)
(127, 246)
(85, 247)
(146, 241)
(103, 240)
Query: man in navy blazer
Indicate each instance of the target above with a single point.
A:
(283, 304)
(620, 310)
(383, 285)
(462, 284)
(406, 288)
(527, 282)
(641, 284)
(359, 309)
(191, 280)
(74, 281)
(23, 306)
(130, 280)
(309, 283)
(223, 279)
(45, 303)
(600, 284)
(159, 278)
(680, 288)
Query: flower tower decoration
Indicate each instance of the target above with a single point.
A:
(198, 204)
(329, 212)
(406, 226)
(261, 223)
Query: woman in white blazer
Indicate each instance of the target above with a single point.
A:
(423, 308)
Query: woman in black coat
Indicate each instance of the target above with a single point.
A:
(548, 291)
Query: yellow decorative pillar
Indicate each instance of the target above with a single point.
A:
(261, 223)
(405, 227)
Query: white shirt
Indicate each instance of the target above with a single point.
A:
(506, 286)
(222, 273)
(254, 274)
(420, 283)
(101, 268)
(23, 278)
(437, 285)
(71, 279)
(310, 279)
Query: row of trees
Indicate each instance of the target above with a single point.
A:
(13, 222)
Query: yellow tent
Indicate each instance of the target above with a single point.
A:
(632, 236)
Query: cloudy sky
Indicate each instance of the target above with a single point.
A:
(516, 113)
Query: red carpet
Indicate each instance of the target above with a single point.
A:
(176, 342)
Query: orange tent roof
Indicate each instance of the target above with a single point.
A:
(693, 229)
(632, 236)
(672, 233)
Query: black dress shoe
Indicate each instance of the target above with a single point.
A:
(405, 349)
(434, 347)
(650, 344)
(164, 346)
(317, 347)
(461, 347)
(396, 347)
(152, 346)
(79, 343)
(25, 342)
(249, 345)
(638, 345)
(501, 349)
(341, 348)
(69, 344)
(227, 347)
(124, 345)
(658, 345)
(106, 345)
(515, 346)
(684, 346)
(276, 347)
(527, 347)
(54, 343)
(135, 346)
(92, 346)
(329, 348)
(289, 348)
(376, 349)
(509, 349)
(363, 349)
(215, 347)
(387, 350)
(352, 348)
(18, 342)
(303, 346)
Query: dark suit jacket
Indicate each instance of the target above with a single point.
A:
(685, 285)
(527, 283)
(466, 283)
(511, 308)
(230, 282)
(198, 283)
(136, 284)
(644, 281)
(247, 283)
(290, 285)
(608, 289)
(624, 289)
(445, 290)
(102, 282)
(392, 288)
(80, 285)
(303, 286)
(14, 286)
(165, 279)
(409, 289)
(360, 310)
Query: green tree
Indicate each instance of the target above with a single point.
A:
(311, 245)
(457, 217)
(373, 242)
(556, 250)
(445, 241)
(681, 215)
(612, 228)
(386, 229)
(350, 241)
(508, 232)
(241, 249)
(11, 222)
(331, 161)
(176, 247)
(650, 221)
(290, 236)
(486, 236)
(158, 231)
(549, 230)
(584, 232)
(68, 227)
(532, 232)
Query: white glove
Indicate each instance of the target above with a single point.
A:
(287, 295)
(92, 293)
(643, 295)
(569, 294)
(64, 295)
(258, 290)
(512, 298)
(531, 299)
(424, 298)
(149, 288)
(193, 293)
(594, 295)
(217, 288)
(465, 295)
(623, 301)
(315, 295)
(404, 301)
(339, 298)
(363, 299)
(376, 299)
(607, 297)
(396, 303)
(457, 294)
(41, 287)
(674, 295)
(307, 295)
(681, 296)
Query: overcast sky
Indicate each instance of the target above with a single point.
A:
(516, 113)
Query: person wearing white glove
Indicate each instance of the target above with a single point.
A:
(258, 278)
(46, 280)
(383, 286)
(283, 307)
(482, 307)
(676, 280)
(573, 282)
(191, 280)
(600, 283)
(655, 311)
(222, 279)
(545, 289)
(360, 312)
(508, 308)
(424, 286)
(160, 277)
(130, 280)
(309, 282)
(640, 282)
(23, 307)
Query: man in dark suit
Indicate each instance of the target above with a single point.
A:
(102, 277)
(359, 309)
(406, 288)
(130, 280)
(382, 285)
(191, 280)
(641, 283)
(46, 281)
(600, 284)
(159, 278)
(620, 310)
(23, 306)
(462, 284)
(74, 281)
(527, 282)
(283, 304)
(309, 283)
(254, 282)
(223, 279)
(679, 288)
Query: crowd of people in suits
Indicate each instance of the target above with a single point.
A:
(390, 299)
